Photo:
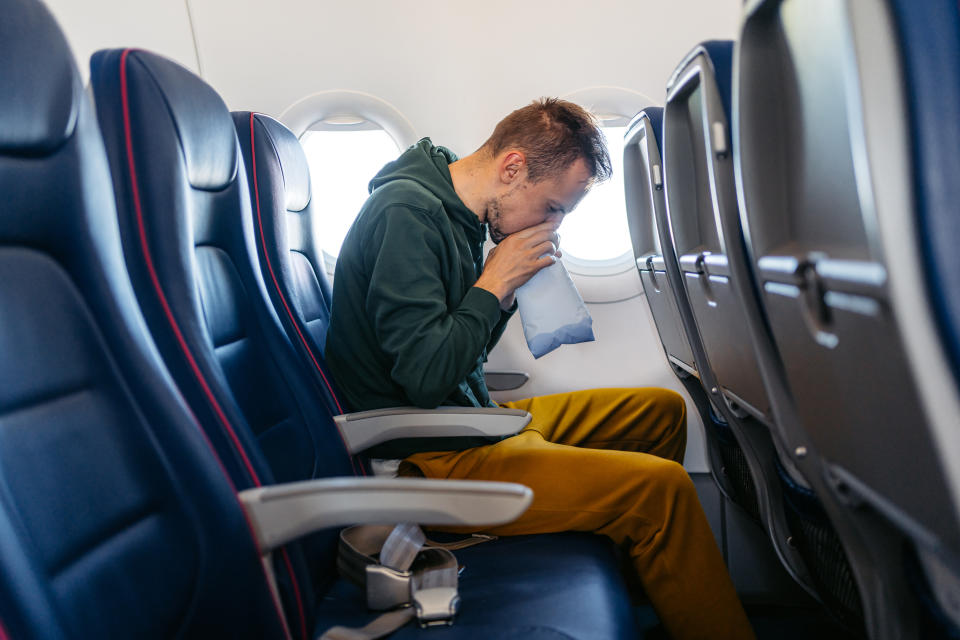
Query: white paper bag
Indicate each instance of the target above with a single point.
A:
(552, 311)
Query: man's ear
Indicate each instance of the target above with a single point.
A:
(512, 165)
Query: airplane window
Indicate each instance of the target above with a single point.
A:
(597, 228)
(342, 160)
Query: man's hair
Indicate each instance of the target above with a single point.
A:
(553, 133)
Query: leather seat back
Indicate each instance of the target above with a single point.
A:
(115, 519)
(188, 240)
(291, 259)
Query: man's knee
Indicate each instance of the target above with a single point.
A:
(671, 412)
(673, 474)
(674, 408)
(659, 493)
(671, 480)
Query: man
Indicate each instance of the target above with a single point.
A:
(415, 311)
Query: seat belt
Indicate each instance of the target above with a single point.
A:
(399, 573)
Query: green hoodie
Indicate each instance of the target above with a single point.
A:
(407, 325)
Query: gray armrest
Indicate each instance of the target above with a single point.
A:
(281, 513)
(368, 428)
(505, 380)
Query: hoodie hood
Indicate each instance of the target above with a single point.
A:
(428, 165)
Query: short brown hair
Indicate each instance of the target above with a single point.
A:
(553, 133)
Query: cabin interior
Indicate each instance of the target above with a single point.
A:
(777, 245)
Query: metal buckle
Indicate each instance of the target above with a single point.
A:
(436, 606)
(387, 588)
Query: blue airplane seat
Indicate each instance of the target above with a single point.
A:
(539, 586)
(116, 520)
(291, 260)
(848, 162)
(701, 84)
(187, 239)
(189, 235)
(731, 338)
(643, 186)
(930, 44)
(653, 250)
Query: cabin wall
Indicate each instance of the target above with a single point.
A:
(453, 68)
(157, 25)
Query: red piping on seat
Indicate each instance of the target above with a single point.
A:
(283, 299)
(296, 593)
(3, 632)
(278, 607)
(148, 259)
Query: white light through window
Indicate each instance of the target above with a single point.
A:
(341, 166)
(597, 228)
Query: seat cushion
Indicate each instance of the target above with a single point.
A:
(563, 585)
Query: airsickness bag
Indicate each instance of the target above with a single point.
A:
(552, 311)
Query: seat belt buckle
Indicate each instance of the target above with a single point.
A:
(436, 606)
(387, 588)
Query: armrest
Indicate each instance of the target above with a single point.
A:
(285, 512)
(365, 429)
(505, 380)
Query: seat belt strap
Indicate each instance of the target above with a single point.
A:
(396, 569)
(381, 626)
(474, 539)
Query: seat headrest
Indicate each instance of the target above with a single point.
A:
(38, 81)
(720, 55)
(293, 163)
(655, 115)
(201, 118)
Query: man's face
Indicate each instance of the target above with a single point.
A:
(524, 204)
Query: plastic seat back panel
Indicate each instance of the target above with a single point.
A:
(643, 168)
(696, 233)
(726, 340)
(823, 276)
(663, 306)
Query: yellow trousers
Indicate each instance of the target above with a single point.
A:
(608, 461)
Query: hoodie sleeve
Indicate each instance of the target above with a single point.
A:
(501, 326)
(432, 347)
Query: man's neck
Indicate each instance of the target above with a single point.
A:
(471, 178)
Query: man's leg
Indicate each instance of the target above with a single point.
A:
(645, 503)
(648, 420)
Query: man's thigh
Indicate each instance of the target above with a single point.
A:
(649, 420)
(574, 488)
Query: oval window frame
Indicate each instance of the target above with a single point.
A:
(305, 113)
(321, 110)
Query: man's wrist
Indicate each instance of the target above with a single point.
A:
(500, 294)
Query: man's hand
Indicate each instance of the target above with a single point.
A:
(517, 258)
